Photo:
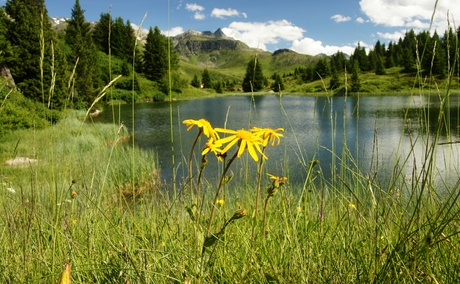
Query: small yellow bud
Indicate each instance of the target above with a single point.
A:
(352, 206)
(220, 202)
(74, 194)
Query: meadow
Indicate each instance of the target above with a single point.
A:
(93, 209)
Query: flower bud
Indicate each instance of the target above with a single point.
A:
(239, 214)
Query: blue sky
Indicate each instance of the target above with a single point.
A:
(309, 27)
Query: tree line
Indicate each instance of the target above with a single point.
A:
(51, 68)
(435, 55)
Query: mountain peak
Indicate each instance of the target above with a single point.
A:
(218, 33)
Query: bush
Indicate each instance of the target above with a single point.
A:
(123, 95)
(19, 112)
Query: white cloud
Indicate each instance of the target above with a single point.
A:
(360, 20)
(340, 18)
(199, 16)
(394, 36)
(194, 7)
(244, 15)
(174, 31)
(221, 13)
(257, 34)
(314, 47)
(410, 14)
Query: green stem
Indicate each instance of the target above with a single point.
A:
(258, 194)
(214, 206)
(265, 217)
(190, 165)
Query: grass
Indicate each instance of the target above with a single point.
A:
(98, 204)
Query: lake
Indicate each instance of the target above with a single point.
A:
(371, 130)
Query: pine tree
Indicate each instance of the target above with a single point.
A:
(100, 33)
(196, 82)
(206, 79)
(278, 85)
(219, 88)
(335, 81)
(155, 56)
(30, 17)
(355, 82)
(408, 60)
(254, 78)
(78, 37)
(379, 68)
(322, 69)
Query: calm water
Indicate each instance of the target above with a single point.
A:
(371, 128)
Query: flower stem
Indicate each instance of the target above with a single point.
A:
(265, 217)
(190, 166)
(214, 207)
(258, 194)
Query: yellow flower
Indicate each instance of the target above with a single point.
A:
(245, 139)
(204, 126)
(268, 134)
(277, 182)
(352, 206)
(212, 147)
(73, 221)
(220, 202)
(299, 209)
(74, 194)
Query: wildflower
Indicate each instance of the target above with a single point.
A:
(11, 190)
(220, 202)
(268, 134)
(277, 182)
(212, 147)
(74, 194)
(204, 126)
(299, 209)
(65, 275)
(352, 206)
(73, 221)
(245, 139)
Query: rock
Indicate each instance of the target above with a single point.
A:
(20, 161)
(95, 113)
(6, 73)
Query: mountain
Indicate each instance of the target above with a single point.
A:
(216, 50)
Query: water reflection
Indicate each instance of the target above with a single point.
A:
(369, 129)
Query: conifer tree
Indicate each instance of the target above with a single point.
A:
(30, 17)
(379, 66)
(78, 37)
(335, 81)
(195, 82)
(206, 79)
(408, 60)
(278, 85)
(355, 82)
(100, 33)
(155, 56)
(219, 88)
(254, 78)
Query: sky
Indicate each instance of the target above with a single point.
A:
(308, 27)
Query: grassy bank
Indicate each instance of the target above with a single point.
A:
(348, 229)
